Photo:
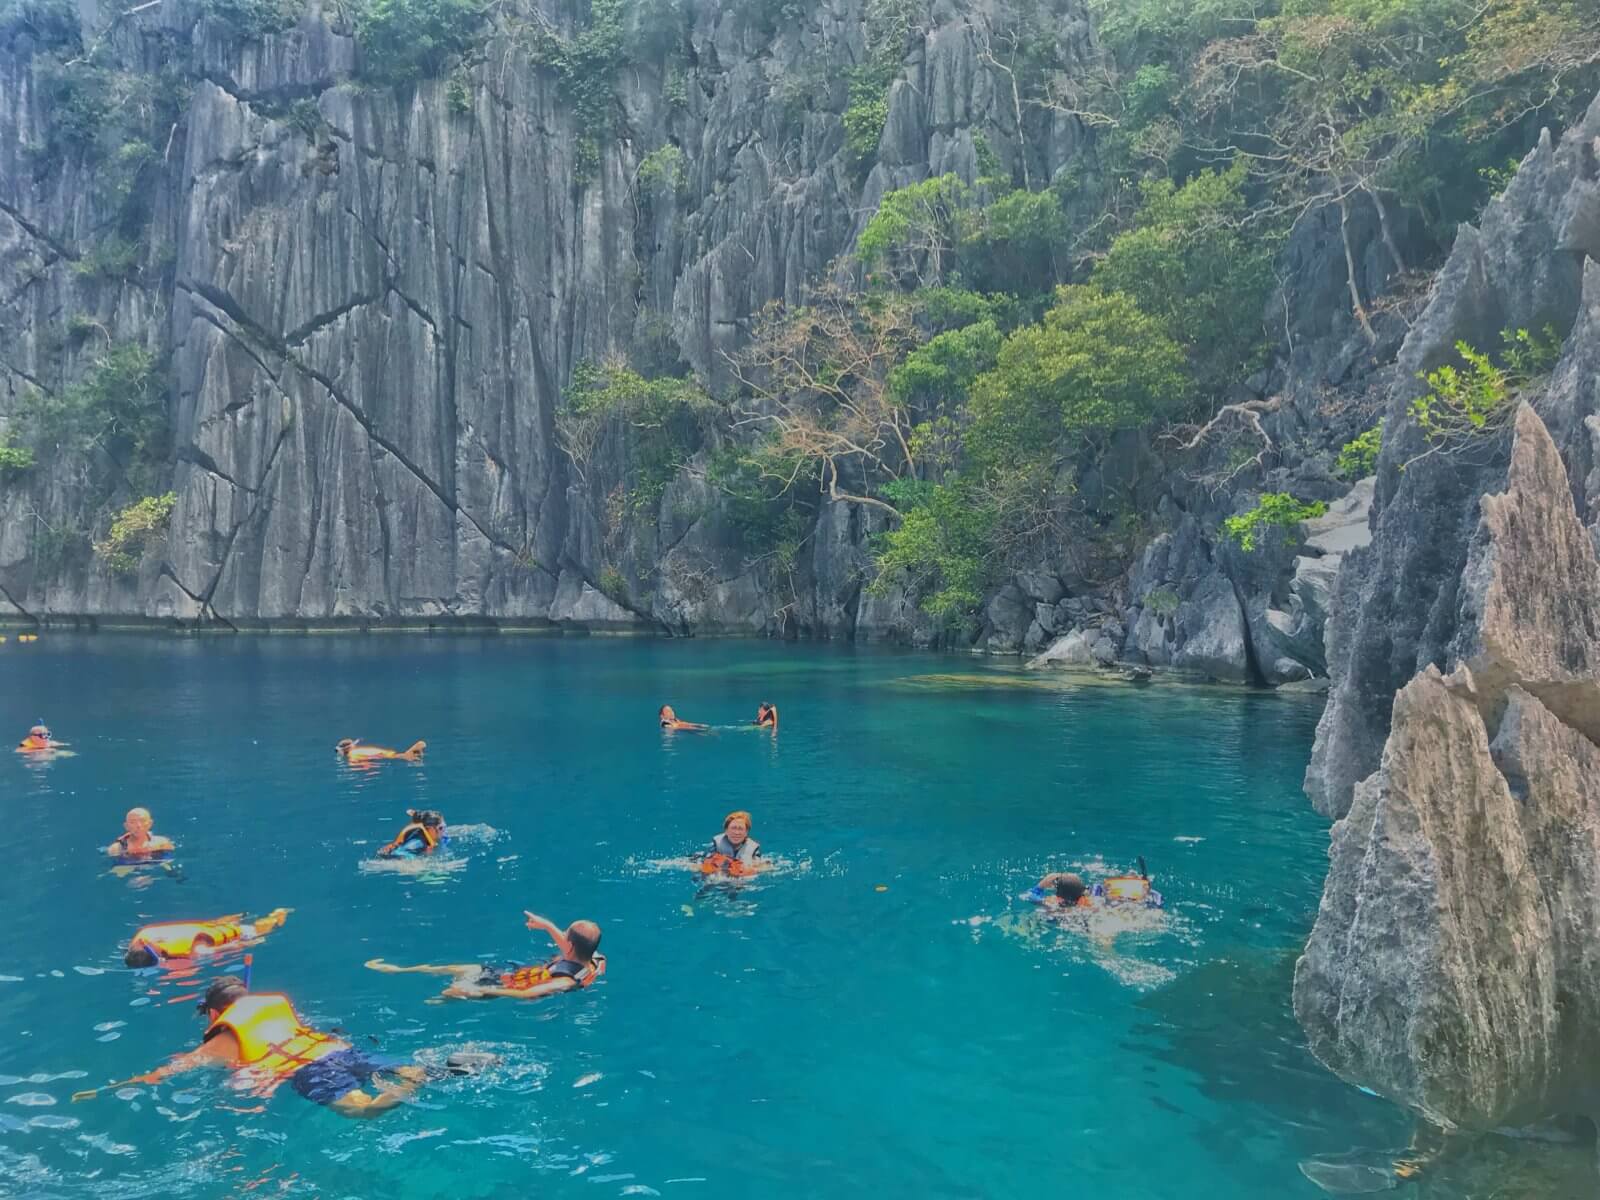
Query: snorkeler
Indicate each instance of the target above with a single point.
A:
(193, 939)
(259, 1036)
(669, 720)
(358, 753)
(767, 715)
(422, 835)
(138, 842)
(576, 966)
(38, 741)
(1067, 890)
(733, 850)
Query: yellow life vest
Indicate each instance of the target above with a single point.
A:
(177, 939)
(273, 1042)
(1126, 887)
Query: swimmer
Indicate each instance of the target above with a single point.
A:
(358, 753)
(767, 715)
(669, 720)
(195, 939)
(259, 1037)
(576, 966)
(38, 741)
(422, 835)
(734, 850)
(1066, 890)
(138, 841)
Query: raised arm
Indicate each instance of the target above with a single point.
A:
(538, 924)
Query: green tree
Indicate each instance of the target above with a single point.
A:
(1191, 262)
(1097, 363)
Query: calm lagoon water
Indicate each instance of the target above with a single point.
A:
(807, 1034)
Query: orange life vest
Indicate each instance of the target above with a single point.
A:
(31, 744)
(273, 1042)
(721, 862)
(527, 978)
(177, 939)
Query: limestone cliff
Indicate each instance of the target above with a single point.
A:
(371, 299)
(1453, 967)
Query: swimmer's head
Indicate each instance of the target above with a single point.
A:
(666, 713)
(140, 955)
(138, 820)
(344, 744)
(737, 826)
(224, 990)
(584, 938)
(39, 731)
(1070, 888)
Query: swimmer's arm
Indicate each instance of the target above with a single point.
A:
(538, 924)
(220, 1051)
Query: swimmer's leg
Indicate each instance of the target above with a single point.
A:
(377, 964)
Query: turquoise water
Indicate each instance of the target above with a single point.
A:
(807, 1034)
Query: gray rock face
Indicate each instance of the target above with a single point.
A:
(371, 316)
(1395, 605)
(1454, 966)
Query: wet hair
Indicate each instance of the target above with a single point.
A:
(426, 816)
(142, 813)
(1070, 887)
(224, 990)
(38, 731)
(140, 956)
(584, 938)
(738, 815)
(344, 743)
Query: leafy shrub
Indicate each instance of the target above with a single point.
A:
(1358, 457)
(403, 41)
(1162, 601)
(14, 459)
(613, 583)
(660, 421)
(1460, 403)
(942, 549)
(253, 19)
(662, 168)
(864, 120)
(133, 531)
(111, 257)
(1275, 511)
(119, 407)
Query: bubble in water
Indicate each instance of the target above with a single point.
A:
(11, 979)
(139, 1002)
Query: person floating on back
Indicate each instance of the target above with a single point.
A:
(733, 851)
(259, 1036)
(576, 966)
(423, 834)
(38, 741)
(139, 844)
(186, 940)
(767, 716)
(358, 753)
(669, 720)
